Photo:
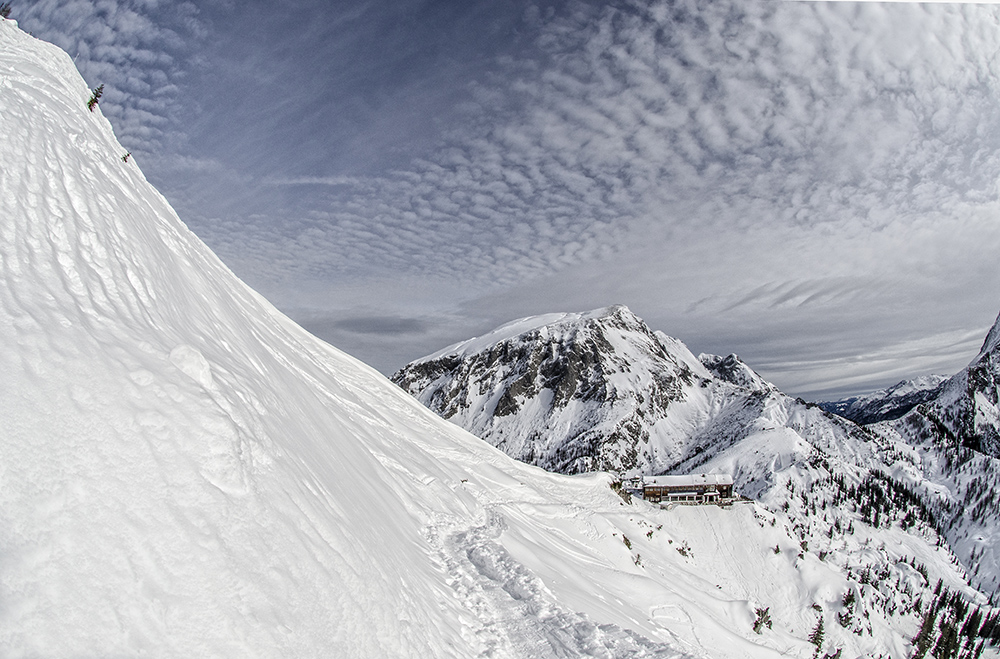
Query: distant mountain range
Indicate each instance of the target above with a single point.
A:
(887, 404)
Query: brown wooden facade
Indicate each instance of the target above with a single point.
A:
(689, 489)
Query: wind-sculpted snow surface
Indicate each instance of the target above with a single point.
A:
(185, 473)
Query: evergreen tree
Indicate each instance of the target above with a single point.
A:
(96, 98)
(971, 627)
(988, 626)
(947, 644)
(763, 619)
(816, 637)
(5, 10)
(925, 637)
(845, 616)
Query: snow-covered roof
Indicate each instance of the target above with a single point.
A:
(688, 480)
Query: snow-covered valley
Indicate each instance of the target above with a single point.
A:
(186, 472)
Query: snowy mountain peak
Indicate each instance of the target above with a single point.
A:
(616, 315)
(531, 382)
(965, 410)
(734, 370)
(992, 341)
(601, 391)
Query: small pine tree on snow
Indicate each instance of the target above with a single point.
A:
(925, 637)
(763, 619)
(5, 10)
(95, 98)
(816, 637)
(971, 627)
(845, 616)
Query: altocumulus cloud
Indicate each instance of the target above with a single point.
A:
(813, 185)
(138, 49)
(637, 119)
(740, 171)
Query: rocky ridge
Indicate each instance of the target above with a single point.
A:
(887, 404)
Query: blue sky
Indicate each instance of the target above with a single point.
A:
(811, 185)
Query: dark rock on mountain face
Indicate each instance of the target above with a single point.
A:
(966, 410)
(568, 392)
(733, 370)
(601, 391)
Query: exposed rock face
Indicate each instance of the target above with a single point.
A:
(966, 408)
(733, 370)
(594, 391)
(569, 392)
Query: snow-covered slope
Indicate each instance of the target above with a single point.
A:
(952, 456)
(184, 472)
(887, 404)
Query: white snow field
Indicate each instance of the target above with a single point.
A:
(184, 472)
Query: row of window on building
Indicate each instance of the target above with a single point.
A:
(687, 489)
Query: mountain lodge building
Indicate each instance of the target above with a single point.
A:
(689, 489)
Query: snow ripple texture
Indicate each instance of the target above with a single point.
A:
(185, 472)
